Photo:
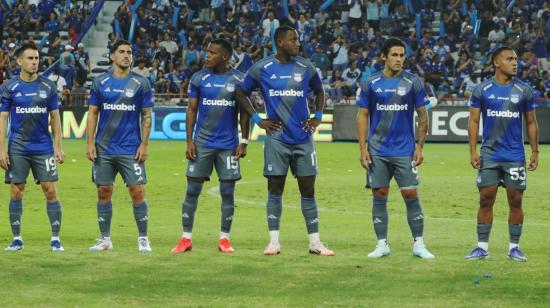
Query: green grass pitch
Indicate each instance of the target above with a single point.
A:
(204, 277)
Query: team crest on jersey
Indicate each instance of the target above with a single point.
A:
(298, 77)
(42, 94)
(230, 87)
(514, 98)
(130, 93)
(401, 91)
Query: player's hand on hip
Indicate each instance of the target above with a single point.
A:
(365, 159)
(418, 156)
(475, 160)
(270, 126)
(59, 156)
(4, 160)
(534, 161)
(241, 150)
(310, 125)
(141, 154)
(191, 152)
(91, 152)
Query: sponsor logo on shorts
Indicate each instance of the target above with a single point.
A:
(291, 92)
(392, 107)
(191, 168)
(502, 113)
(270, 167)
(218, 102)
(119, 107)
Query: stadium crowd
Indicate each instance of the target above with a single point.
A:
(343, 41)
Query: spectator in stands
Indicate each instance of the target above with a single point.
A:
(469, 84)
(337, 84)
(320, 60)
(339, 50)
(32, 19)
(270, 24)
(75, 20)
(161, 84)
(55, 49)
(464, 67)
(218, 10)
(140, 68)
(351, 76)
(373, 13)
(495, 37)
(164, 58)
(177, 78)
(60, 82)
(539, 43)
(53, 24)
(169, 44)
(528, 67)
(190, 55)
(355, 13)
(67, 65)
(83, 66)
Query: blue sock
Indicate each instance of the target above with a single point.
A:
(227, 191)
(140, 215)
(54, 214)
(309, 210)
(274, 211)
(16, 211)
(189, 206)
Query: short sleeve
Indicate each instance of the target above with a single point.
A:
(193, 91)
(363, 95)
(529, 104)
(53, 98)
(421, 97)
(475, 99)
(95, 95)
(315, 82)
(251, 79)
(5, 100)
(147, 100)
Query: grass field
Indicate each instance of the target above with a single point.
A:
(205, 277)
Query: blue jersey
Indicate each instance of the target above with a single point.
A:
(502, 108)
(391, 103)
(284, 88)
(29, 104)
(216, 125)
(120, 102)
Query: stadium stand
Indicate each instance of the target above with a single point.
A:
(448, 40)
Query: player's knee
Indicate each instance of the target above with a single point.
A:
(381, 192)
(486, 200)
(50, 192)
(307, 192)
(104, 193)
(515, 201)
(137, 193)
(227, 189)
(17, 191)
(409, 193)
(276, 185)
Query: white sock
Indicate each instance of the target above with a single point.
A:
(17, 238)
(418, 241)
(224, 235)
(483, 245)
(55, 238)
(274, 236)
(142, 237)
(512, 245)
(313, 238)
(186, 235)
(382, 242)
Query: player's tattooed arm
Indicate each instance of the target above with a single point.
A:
(190, 120)
(418, 156)
(4, 159)
(91, 125)
(146, 122)
(59, 155)
(533, 135)
(246, 105)
(473, 132)
(245, 132)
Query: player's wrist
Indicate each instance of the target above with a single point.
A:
(244, 141)
(256, 118)
(319, 116)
